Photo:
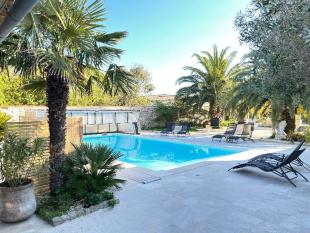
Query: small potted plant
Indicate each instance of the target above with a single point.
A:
(18, 161)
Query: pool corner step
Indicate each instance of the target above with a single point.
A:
(138, 175)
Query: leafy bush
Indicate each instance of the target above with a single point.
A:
(55, 206)
(166, 113)
(18, 158)
(62, 203)
(297, 137)
(4, 118)
(96, 198)
(300, 136)
(224, 123)
(307, 134)
(90, 171)
(9, 83)
(90, 176)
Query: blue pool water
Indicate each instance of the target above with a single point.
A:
(157, 154)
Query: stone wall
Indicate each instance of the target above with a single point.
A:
(34, 129)
(145, 117)
(95, 119)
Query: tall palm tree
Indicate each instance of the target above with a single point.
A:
(207, 83)
(62, 42)
(246, 96)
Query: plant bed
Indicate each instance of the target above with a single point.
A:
(89, 185)
(58, 210)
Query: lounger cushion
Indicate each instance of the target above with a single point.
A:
(177, 129)
(239, 129)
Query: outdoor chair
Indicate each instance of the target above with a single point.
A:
(229, 131)
(184, 129)
(169, 129)
(280, 157)
(243, 131)
(281, 168)
(177, 129)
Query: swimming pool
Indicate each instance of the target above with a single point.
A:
(157, 154)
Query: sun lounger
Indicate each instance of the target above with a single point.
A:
(184, 130)
(243, 132)
(280, 157)
(177, 128)
(169, 129)
(281, 168)
(229, 131)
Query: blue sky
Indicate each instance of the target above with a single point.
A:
(163, 34)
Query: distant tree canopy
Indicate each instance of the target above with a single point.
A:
(142, 87)
(143, 78)
(276, 32)
(15, 90)
(12, 92)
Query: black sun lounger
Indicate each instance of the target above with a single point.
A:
(229, 131)
(169, 128)
(280, 156)
(184, 130)
(246, 134)
(281, 168)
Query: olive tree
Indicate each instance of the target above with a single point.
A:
(276, 32)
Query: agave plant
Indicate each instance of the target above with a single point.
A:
(91, 170)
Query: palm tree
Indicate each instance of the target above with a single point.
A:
(62, 42)
(246, 96)
(209, 82)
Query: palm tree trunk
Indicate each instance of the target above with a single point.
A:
(57, 100)
(214, 113)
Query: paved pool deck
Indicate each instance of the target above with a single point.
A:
(201, 198)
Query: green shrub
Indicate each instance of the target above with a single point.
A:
(90, 171)
(55, 206)
(307, 134)
(4, 118)
(63, 202)
(224, 123)
(297, 137)
(96, 198)
(18, 158)
(166, 113)
(90, 176)
(300, 136)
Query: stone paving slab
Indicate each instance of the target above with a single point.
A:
(202, 199)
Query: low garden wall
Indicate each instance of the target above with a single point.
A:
(95, 119)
